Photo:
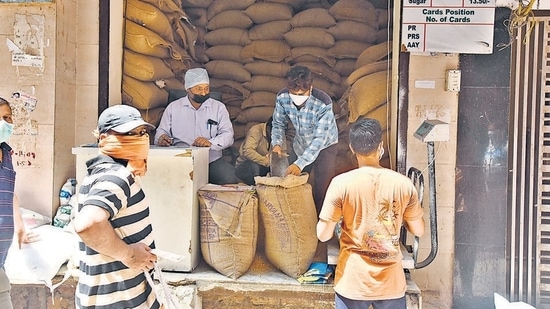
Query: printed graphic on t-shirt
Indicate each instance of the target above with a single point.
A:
(381, 242)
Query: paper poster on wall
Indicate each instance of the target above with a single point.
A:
(451, 26)
(27, 46)
(25, 130)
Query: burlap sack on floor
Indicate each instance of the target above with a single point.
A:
(228, 228)
(289, 218)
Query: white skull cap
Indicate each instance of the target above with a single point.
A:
(195, 77)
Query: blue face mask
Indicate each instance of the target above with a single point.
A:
(6, 129)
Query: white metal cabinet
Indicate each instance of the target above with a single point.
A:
(172, 198)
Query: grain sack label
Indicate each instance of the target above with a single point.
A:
(451, 26)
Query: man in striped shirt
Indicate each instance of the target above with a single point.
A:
(309, 110)
(113, 217)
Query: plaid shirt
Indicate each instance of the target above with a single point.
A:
(314, 123)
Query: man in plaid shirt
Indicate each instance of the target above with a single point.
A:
(309, 111)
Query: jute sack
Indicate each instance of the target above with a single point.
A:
(347, 49)
(227, 36)
(185, 33)
(321, 69)
(269, 50)
(310, 54)
(273, 30)
(381, 114)
(144, 41)
(219, 6)
(232, 99)
(367, 93)
(198, 17)
(260, 98)
(383, 35)
(168, 6)
(353, 30)
(357, 10)
(255, 114)
(383, 19)
(227, 52)
(344, 66)
(230, 19)
(233, 111)
(142, 95)
(143, 67)
(239, 130)
(225, 69)
(368, 69)
(152, 115)
(263, 67)
(187, 4)
(265, 83)
(150, 17)
(309, 36)
(228, 228)
(177, 66)
(288, 214)
(295, 4)
(228, 87)
(171, 83)
(314, 17)
(263, 12)
(374, 53)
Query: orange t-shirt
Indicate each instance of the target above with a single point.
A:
(373, 203)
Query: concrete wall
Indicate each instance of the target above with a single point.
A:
(435, 103)
(64, 89)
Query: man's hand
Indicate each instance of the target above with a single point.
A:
(201, 142)
(277, 149)
(165, 140)
(26, 238)
(293, 169)
(140, 257)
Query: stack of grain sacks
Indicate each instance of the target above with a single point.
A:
(248, 46)
(158, 41)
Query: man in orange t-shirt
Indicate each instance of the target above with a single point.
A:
(373, 202)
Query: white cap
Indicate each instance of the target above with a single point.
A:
(195, 77)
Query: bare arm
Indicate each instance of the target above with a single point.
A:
(416, 227)
(325, 230)
(22, 236)
(93, 226)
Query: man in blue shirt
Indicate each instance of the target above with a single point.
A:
(10, 216)
(201, 121)
(309, 110)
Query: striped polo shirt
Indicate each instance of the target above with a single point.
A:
(105, 282)
(7, 185)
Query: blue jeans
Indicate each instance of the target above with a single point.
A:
(346, 303)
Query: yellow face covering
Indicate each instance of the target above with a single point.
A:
(133, 148)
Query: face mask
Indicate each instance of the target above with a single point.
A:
(5, 130)
(299, 99)
(201, 98)
(381, 154)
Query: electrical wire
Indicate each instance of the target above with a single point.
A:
(521, 16)
(433, 160)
